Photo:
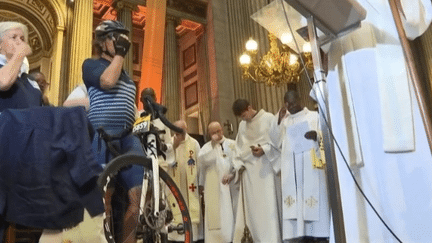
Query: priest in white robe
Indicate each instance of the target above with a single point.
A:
(256, 164)
(185, 173)
(377, 123)
(215, 159)
(306, 213)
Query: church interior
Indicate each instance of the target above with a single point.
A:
(202, 43)
(187, 50)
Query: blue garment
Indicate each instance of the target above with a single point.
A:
(114, 111)
(48, 171)
(130, 144)
(20, 95)
(110, 108)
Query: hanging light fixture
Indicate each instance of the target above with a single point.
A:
(280, 65)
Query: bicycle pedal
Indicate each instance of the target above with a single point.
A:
(179, 228)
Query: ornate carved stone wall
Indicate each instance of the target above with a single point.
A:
(196, 8)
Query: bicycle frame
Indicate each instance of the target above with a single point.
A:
(152, 154)
(155, 209)
(150, 142)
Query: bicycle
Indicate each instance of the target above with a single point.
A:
(158, 189)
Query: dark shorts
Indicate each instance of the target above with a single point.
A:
(130, 144)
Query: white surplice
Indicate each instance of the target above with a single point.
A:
(397, 184)
(260, 200)
(216, 161)
(304, 191)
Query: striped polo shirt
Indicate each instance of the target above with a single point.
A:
(112, 108)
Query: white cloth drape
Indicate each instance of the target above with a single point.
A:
(370, 59)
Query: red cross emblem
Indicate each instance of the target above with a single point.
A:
(192, 187)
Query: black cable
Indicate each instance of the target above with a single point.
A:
(332, 135)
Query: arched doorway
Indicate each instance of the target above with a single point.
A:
(43, 19)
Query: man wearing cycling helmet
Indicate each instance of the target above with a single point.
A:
(112, 107)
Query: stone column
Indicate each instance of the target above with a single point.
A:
(81, 43)
(54, 89)
(221, 66)
(153, 50)
(171, 73)
(124, 14)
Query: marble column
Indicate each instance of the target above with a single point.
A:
(171, 85)
(204, 93)
(124, 14)
(220, 63)
(81, 43)
(240, 33)
(54, 91)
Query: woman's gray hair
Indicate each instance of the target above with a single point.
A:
(9, 25)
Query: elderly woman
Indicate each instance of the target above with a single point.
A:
(16, 90)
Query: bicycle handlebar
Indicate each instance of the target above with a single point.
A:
(157, 111)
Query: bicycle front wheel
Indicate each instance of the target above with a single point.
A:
(150, 227)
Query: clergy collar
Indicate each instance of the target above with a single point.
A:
(219, 142)
(300, 113)
(257, 115)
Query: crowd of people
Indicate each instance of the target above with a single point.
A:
(267, 185)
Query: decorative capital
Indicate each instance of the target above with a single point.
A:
(171, 18)
(126, 4)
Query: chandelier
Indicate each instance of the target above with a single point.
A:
(280, 65)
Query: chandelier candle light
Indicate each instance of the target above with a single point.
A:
(280, 65)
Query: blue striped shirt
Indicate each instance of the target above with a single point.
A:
(112, 108)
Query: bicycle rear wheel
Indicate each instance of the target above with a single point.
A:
(149, 227)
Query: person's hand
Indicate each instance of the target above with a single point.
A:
(228, 178)
(121, 45)
(257, 151)
(215, 139)
(22, 48)
(241, 169)
(282, 113)
(311, 135)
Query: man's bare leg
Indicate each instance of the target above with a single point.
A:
(131, 216)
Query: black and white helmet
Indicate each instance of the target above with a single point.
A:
(108, 26)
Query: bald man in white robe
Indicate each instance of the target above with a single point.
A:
(215, 159)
